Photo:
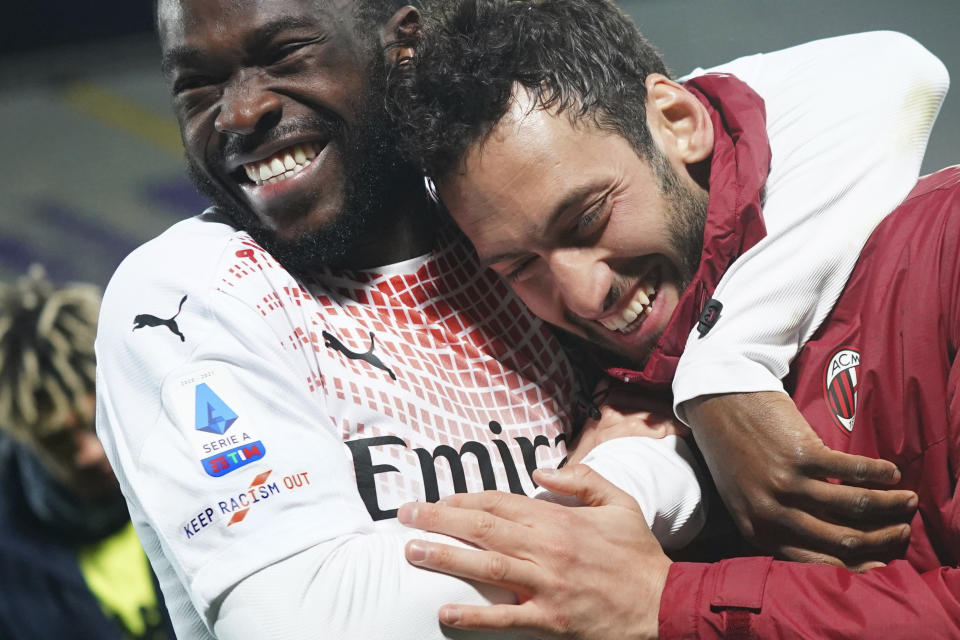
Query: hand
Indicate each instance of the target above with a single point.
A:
(770, 468)
(578, 572)
(624, 411)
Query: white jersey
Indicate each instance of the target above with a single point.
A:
(251, 416)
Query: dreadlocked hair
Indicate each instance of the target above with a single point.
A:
(47, 363)
(582, 57)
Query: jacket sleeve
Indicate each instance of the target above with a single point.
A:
(848, 120)
(763, 598)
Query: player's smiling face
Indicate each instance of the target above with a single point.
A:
(590, 236)
(264, 91)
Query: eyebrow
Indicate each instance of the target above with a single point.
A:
(187, 56)
(570, 200)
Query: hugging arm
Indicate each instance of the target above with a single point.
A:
(848, 121)
(596, 573)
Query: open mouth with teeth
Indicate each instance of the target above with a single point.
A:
(282, 165)
(632, 315)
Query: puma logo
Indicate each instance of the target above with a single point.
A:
(368, 357)
(146, 320)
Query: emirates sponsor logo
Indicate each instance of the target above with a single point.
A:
(840, 381)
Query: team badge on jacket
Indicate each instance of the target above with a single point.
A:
(840, 381)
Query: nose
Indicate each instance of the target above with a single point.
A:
(247, 106)
(583, 280)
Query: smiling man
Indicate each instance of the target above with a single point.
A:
(621, 227)
(279, 374)
(501, 118)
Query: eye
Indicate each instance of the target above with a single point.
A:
(590, 217)
(519, 270)
(285, 50)
(186, 83)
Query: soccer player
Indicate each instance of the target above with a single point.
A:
(282, 372)
(604, 213)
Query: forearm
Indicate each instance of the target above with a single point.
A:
(359, 587)
(848, 121)
(763, 598)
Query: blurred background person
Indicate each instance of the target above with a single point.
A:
(70, 564)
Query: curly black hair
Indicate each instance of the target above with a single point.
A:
(584, 57)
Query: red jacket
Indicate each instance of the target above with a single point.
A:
(878, 379)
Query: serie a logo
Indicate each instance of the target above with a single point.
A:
(840, 381)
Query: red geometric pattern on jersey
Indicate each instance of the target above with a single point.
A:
(465, 352)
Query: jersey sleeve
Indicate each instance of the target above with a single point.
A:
(231, 466)
(764, 598)
(661, 474)
(848, 120)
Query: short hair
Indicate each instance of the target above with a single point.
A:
(47, 363)
(585, 57)
(371, 14)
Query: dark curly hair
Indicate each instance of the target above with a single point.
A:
(584, 57)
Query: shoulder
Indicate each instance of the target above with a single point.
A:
(838, 57)
(179, 295)
(185, 256)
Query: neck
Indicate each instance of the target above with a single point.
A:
(409, 231)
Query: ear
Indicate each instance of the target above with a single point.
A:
(678, 121)
(400, 35)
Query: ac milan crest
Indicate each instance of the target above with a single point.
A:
(840, 381)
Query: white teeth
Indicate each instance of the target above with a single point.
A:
(285, 164)
(631, 316)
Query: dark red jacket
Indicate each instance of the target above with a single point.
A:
(878, 379)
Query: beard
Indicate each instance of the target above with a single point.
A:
(686, 209)
(374, 180)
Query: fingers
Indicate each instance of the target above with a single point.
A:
(476, 527)
(524, 618)
(516, 508)
(488, 567)
(797, 554)
(856, 504)
(845, 545)
(586, 484)
(851, 468)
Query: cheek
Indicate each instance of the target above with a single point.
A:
(542, 298)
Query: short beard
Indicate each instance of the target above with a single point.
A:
(688, 217)
(375, 180)
(687, 211)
